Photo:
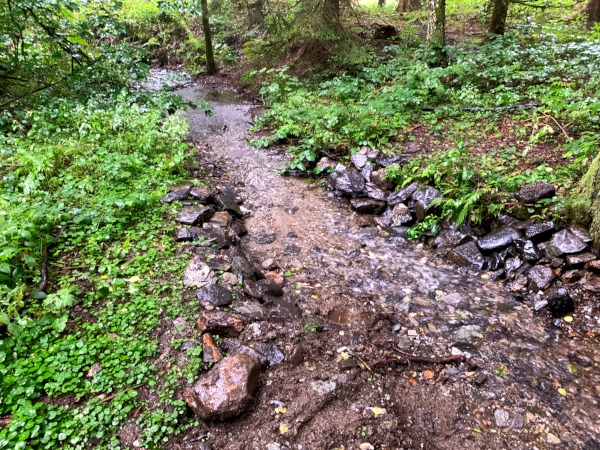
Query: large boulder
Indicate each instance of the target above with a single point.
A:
(347, 181)
(226, 390)
(565, 242)
(533, 192)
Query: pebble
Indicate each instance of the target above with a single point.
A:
(552, 439)
(323, 387)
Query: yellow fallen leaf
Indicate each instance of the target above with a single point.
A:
(568, 319)
(134, 279)
(562, 392)
(283, 428)
(281, 410)
(377, 410)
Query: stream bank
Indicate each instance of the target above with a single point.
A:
(360, 295)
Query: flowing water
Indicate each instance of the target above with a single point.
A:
(345, 273)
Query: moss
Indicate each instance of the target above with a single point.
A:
(587, 204)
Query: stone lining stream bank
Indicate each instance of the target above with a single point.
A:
(352, 296)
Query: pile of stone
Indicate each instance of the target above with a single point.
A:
(538, 260)
(211, 225)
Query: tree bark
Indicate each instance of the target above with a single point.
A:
(586, 208)
(497, 23)
(211, 66)
(334, 9)
(436, 25)
(402, 6)
(593, 12)
(381, 3)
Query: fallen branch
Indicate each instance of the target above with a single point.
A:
(110, 397)
(494, 108)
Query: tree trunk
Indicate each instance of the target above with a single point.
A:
(334, 9)
(436, 28)
(593, 12)
(402, 6)
(211, 66)
(381, 3)
(497, 23)
(587, 204)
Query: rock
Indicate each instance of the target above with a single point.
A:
(323, 387)
(593, 265)
(215, 295)
(451, 299)
(512, 265)
(580, 259)
(467, 332)
(552, 439)
(348, 181)
(539, 304)
(202, 193)
(401, 215)
(221, 323)
(423, 198)
(480, 379)
(498, 239)
(217, 236)
(384, 220)
(359, 159)
(375, 193)
(210, 350)
(268, 264)
(565, 242)
(386, 161)
(502, 418)
(540, 231)
(273, 354)
(226, 390)
(378, 177)
(540, 278)
(518, 284)
(581, 233)
(185, 234)
(238, 227)
(571, 276)
(367, 205)
(175, 196)
(528, 250)
(402, 195)
(241, 267)
(296, 356)
(251, 289)
(366, 173)
(531, 193)
(192, 215)
(495, 260)
(198, 273)
(220, 219)
(560, 302)
(467, 255)
(228, 203)
(229, 279)
(273, 446)
(269, 287)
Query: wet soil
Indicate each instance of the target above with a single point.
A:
(355, 298)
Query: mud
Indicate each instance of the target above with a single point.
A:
(363, 297)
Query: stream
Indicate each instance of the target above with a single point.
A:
(530, 382)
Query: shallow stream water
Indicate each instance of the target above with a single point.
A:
(345, 270)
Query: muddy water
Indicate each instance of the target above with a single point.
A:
(345, 272)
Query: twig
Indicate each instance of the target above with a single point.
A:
(561, 128)
(110, 397)
(398, 356)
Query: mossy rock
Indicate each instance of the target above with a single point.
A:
(586, 206)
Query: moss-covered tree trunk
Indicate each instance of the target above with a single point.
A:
(588, 201)
(593, 12)
(211, 66)
(497, 23)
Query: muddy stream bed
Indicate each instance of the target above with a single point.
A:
(353, 294)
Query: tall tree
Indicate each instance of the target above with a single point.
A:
(593, 12)
(436, 29)
(211, 66)
(497, 23)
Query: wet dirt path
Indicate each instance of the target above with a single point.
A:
(528, 383)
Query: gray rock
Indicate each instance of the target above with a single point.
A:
(227, 203)
(386, 161)
(366, 172)
(580, 259)
(251, 289)
(367, 205)
(467, 255)
(528, 250)
(175, 196)
(403, 194)
(198, 274)
(384, 220)
(379, 178)
(540, 278)
(202, 193)
(560, 302)
(238, 227)
(451, 299)
(214, 294)
(271, 352)
(348, 181)
(581, 233)
(325, 164)
(498, 239)
(226, 390)
(192, 215)
(359, 159)
(241, 267)
(401, 215)
(540, 304)
(185, 234)
(495, 260)
(531, 193)
(323, 387)
(502, 418)
(565, 242)
(539, 231)
(375, 193)
(268, 287)
(423, 198)
(512, 265)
